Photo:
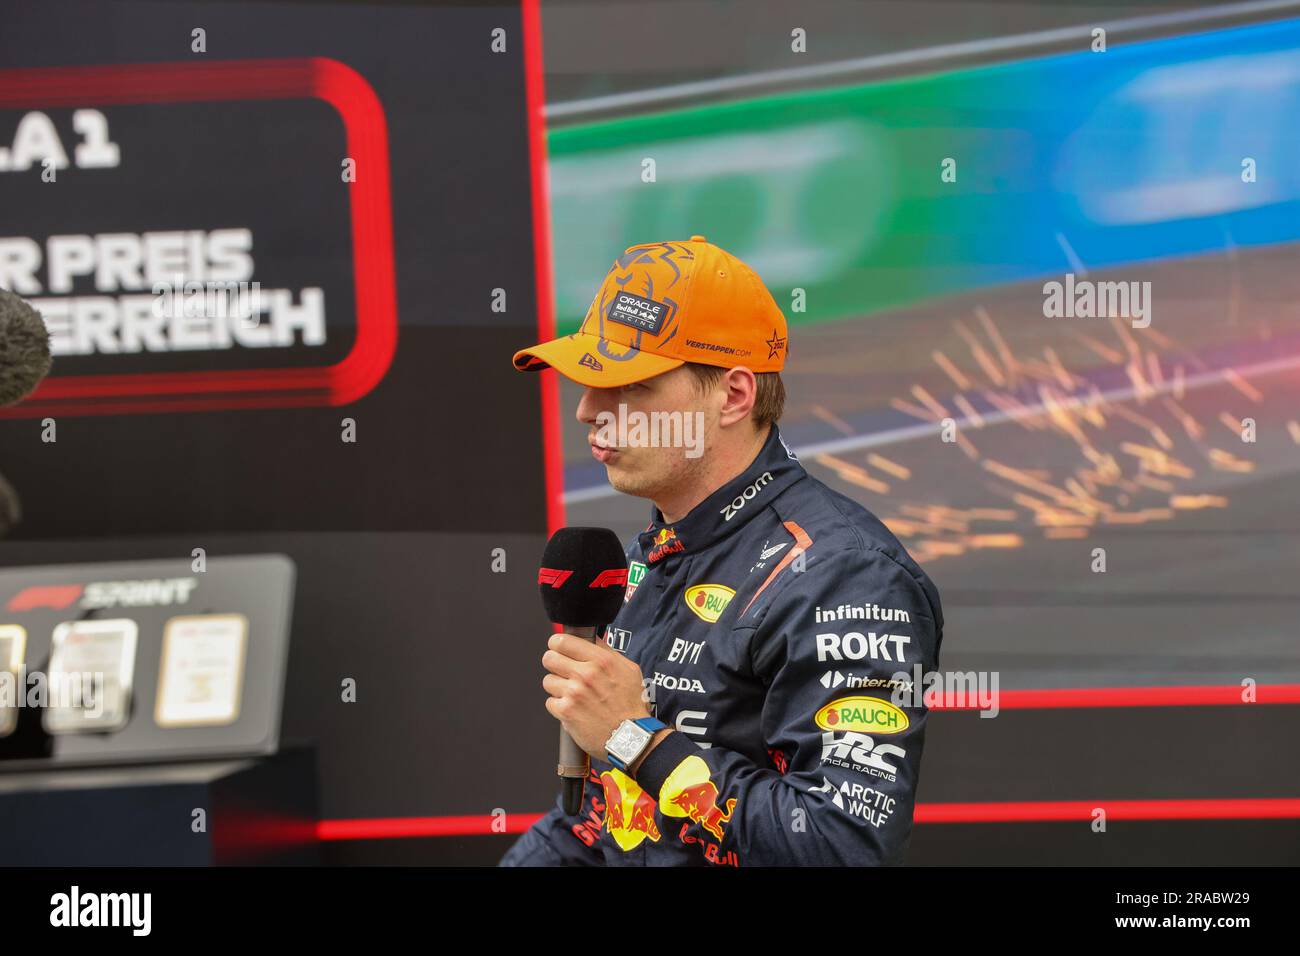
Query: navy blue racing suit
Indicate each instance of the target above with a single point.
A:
(783, 632)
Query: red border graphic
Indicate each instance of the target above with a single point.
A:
(535, 103)
(372, 232)
(1023, 811)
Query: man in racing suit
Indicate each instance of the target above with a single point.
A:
(775, 630)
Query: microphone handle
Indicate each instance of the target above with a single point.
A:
(574, 764)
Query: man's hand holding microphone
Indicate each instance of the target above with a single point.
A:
(596, 693)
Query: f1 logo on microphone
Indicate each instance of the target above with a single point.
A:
(555, 577)
(613, 578)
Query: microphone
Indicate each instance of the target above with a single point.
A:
(24, 361)
(582, 580)
(24, 349)
(11, 509)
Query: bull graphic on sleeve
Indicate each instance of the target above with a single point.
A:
(688, 792)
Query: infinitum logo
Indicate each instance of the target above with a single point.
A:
(103, 909)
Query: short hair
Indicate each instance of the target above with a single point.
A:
(769, 400)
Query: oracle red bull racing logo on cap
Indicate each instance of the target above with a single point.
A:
(645, 315)
(629, 811)
(863, 715)
(688, 792)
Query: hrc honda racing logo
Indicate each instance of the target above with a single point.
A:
(151, 592)
(854, 751)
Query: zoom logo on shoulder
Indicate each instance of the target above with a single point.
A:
(747, 495)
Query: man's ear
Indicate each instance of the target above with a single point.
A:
(740, 389)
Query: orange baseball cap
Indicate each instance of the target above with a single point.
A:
(664, 304)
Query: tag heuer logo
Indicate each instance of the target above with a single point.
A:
(635, 572)
(708, 601)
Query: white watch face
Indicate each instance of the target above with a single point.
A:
(627, 741)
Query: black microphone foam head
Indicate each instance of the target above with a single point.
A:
(583, 577)
(24, 348)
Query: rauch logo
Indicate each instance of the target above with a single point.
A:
(862, 714)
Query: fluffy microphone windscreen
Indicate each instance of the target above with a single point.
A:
(24, 348)
(583, 577)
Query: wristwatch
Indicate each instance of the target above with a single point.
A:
(629, 739)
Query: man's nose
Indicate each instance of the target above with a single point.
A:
(592, 403)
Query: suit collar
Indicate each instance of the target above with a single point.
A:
(729, 508)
